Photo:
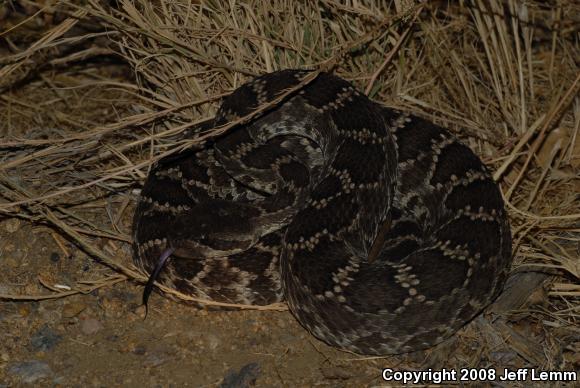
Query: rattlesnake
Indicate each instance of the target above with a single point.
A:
(382, 231)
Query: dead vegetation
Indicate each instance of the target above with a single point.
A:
(93, 94)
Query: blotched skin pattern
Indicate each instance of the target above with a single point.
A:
(382, 232)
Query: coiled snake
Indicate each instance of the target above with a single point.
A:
(382, 232)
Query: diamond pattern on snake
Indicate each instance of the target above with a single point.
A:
(382, 232)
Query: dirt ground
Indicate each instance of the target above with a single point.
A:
(102, 338)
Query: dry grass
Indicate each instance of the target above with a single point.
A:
(503, 75)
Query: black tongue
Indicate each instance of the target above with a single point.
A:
(161, 262)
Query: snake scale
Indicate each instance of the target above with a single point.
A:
(382, 232)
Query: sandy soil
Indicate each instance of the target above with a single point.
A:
(101, 339)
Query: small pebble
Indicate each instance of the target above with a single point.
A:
(44, 339)
(140, 311)
(246, 377)
(24, 310)
(335, 373)
(212, 341)
(91, 326)
(133, 347)
(159, 355)
(30, 371)
(12, 225)
(503, 356)
(113, 307)
(156, 359)
(123, 295)
(10, 262)
(73, 309)
(50, 316)
(139, 349)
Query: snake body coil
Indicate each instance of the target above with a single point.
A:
(382, 232)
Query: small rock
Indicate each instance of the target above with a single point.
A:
(335, 373)
(50, 315)
(244, 378)
(504, 357)
(12, 225)
(73, 309)
(113, 307)
(140, 349)
(44, 339)
(91, 326)
(123, 295)
(140, 311)
(30, 371)
(133, 347)
(54, 257)
(212, 341)
(155, 359)
(10, 262)
(288, 338)
(158, 355)
(24, 310)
